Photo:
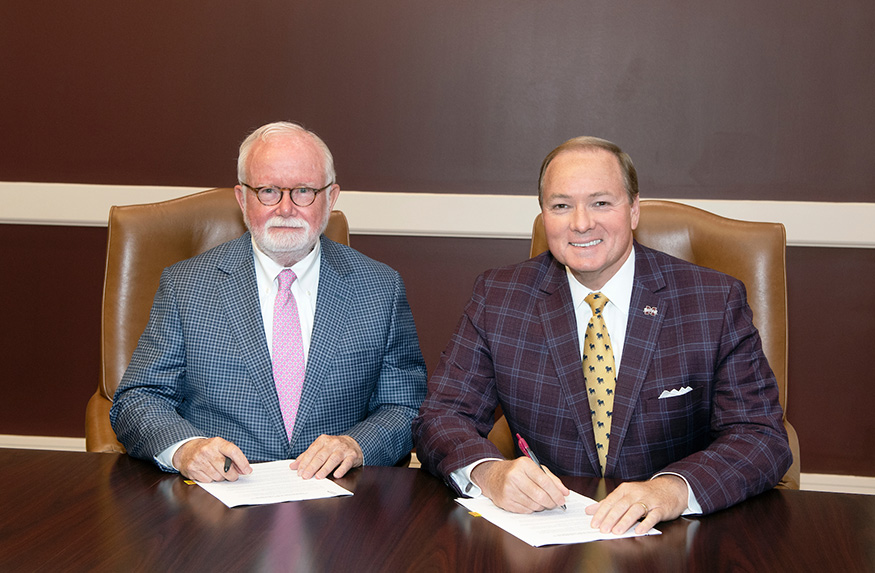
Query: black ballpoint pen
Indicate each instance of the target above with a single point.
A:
(227, 464)
(524, 447)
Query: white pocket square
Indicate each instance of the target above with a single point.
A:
(675, 392)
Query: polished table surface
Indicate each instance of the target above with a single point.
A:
(71, 511)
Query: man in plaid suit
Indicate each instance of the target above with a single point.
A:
(200, 387)
(695, 424)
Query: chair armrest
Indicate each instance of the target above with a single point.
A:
(792, 479)
(501, 437)
(99, 436)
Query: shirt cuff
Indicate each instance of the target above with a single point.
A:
(693, 507)
(462, 478)
(165, 458)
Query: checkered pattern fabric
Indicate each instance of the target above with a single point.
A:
(202, 366)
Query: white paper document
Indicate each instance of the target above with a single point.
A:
(272, 482)
(551, 527)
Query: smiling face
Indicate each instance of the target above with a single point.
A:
(285, 232)
(588, 218)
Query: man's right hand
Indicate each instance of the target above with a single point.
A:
(519, 485)
(203, 460)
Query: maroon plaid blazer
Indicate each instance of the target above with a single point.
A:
(516, 345)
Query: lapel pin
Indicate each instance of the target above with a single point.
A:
(650, 310)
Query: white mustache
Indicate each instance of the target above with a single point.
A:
(286, 223)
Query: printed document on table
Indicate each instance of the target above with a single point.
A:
(550, 527)
(272, 482)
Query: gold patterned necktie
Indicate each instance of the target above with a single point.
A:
(599, 374)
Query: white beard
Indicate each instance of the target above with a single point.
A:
(284, 242)
(287, 248)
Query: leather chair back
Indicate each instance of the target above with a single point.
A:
(752, 252)
(143, 240)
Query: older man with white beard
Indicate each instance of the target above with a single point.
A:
(280, 344)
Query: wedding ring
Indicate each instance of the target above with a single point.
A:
(646, 509)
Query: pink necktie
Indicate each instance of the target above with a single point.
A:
(288, 350)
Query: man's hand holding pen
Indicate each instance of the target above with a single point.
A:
(524, 448)
(206, 460)
(519, 485)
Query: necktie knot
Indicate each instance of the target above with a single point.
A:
(286, 278)
(596, 301)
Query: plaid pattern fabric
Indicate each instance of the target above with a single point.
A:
(517, 345)
(202, 367)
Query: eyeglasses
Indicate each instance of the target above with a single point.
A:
(301, 196)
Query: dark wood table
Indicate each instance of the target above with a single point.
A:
(66, 511)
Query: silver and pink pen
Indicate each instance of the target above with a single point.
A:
(524, 448)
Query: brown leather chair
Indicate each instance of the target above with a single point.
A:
(143, 240)
(752, 252)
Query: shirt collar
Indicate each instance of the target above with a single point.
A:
(618, 289)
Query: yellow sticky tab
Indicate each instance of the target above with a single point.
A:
(187, 482)
(474, 514)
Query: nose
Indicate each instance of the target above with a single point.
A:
(286, 207)
(581, 221)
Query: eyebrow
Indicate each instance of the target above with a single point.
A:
(567, 196)
(298, 186)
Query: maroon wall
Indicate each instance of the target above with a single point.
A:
(832, 343)
(735, 99)
(50, 337)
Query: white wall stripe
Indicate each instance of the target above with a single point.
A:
(838, 483)
(42, 443)
(808, 223)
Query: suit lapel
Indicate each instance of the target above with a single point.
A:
(646, 312)
(238, 293)
(329, 325)
(560, 329)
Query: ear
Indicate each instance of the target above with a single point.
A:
(636, 212)
(240, 194)
(334, 192)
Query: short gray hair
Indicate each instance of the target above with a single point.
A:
(280, 128)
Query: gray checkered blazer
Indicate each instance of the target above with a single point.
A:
(202, 366)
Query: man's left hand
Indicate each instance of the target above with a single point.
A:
(661, 499)
(326, 454)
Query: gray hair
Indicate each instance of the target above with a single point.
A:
(280, 128)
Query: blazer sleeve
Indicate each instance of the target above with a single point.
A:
(454, 420)
(144, 411)
(384, 435)
(749, 451)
